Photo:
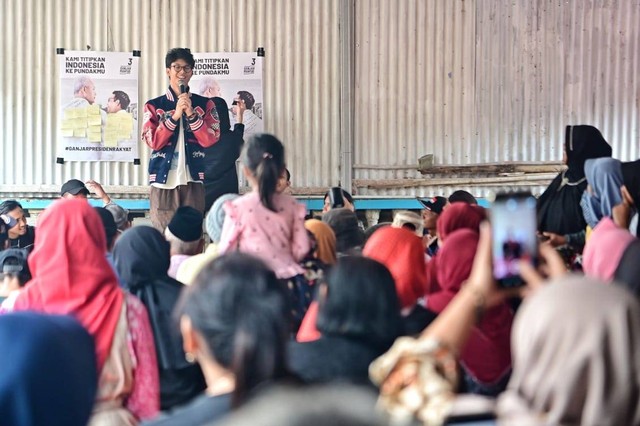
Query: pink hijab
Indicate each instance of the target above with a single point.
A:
(605, 248)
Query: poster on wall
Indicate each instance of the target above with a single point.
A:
(98, 106)
(232, 76)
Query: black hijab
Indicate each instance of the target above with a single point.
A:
(628, 270)
(49, 374)
(220, 172)
(631, 179)
(559, 208)
(142, 259)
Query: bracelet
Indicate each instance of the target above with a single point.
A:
(479, 303)
(192, 116)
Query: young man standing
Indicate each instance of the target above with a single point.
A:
(177, 126)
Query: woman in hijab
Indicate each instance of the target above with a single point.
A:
(560, 216)
(612, 254)
(402, 252)
(323, 255)
(325, 240)
(576, 357)
(71, 276)
(459, 215)
(142, 259)
(456, 216)
(50, 373)
(604, 250)
(486, 358)
(626, 213)
(604, 178)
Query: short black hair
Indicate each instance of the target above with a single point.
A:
(461, 196)
(179, 53)
(361, 302)
(240, 308)
(122, 97)
(288, 174)
(9, 206)
(249, 100)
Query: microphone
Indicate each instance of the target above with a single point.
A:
(183, 88)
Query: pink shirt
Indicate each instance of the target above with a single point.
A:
(278, 238)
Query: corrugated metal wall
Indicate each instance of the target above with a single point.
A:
(468, 81)
(301, 40)
(490, 81)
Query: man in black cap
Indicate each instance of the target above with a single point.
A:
(75, 188)
(14, 274)
(433, 207)
(184, 233)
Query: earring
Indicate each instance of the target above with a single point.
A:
(191, 358)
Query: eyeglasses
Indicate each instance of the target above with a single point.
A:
(177, 68)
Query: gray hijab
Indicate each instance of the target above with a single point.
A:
(576, 357)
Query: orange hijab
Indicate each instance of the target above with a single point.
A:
(71, 275)
(325, 239)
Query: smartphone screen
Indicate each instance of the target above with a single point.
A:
(513, 223)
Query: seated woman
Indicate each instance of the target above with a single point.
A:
(576, 358)
(456, 216)
(402, 252)
(486, 357)
(604, 178)
(560, 217)
(358, 318)
(71, 276)
(50, 375)
(141, 256)
(612, 253)
(234, 322)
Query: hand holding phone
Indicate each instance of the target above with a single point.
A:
(515, 239)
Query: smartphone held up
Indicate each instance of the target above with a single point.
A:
(515, 240)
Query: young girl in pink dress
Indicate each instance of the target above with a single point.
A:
(268, 224)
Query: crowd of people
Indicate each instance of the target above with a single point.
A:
(287, 318)
(152, 327)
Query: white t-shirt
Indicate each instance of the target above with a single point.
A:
(179, 172)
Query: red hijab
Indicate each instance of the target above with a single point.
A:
(487, 353)
(71, 274)
(401, 251)
(452, 267)
(459, 216)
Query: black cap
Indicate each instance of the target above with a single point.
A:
(20, 264)
(435, 204)
(74, 187)
(186, 224)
